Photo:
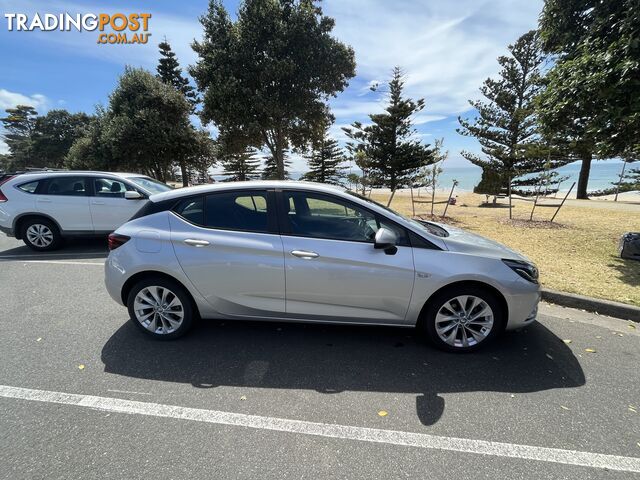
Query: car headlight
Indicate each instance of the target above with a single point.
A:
(526, 270)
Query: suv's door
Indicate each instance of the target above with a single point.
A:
(109, 208)
(64, 198)
(333, 272)
(227, 244)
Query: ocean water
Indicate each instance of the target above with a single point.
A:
(603, 173)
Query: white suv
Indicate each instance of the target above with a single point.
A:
(44, 207)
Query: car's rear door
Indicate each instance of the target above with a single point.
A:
(228, 245)
(65, 199)
(333, 272)
(109, 207)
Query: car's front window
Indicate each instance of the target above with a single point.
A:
(428, 226)
(150, 185)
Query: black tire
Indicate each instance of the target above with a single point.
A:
(175, 289)
(48, 229)
(428, 322)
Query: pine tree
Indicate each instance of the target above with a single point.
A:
(19, 125)
(506, 125)
(169, 71)
(242, 166)
(271, 170)
(390, 140)
(325, 160)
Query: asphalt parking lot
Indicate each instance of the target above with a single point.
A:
(83, 394)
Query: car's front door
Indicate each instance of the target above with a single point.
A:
(333, 272)
(109, 207)
(228, 245)
(64, 198)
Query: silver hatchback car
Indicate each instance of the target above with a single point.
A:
(306, 252)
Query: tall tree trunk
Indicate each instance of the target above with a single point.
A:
(393, 192)
(279, 159)
(583, 178)
(185, 174)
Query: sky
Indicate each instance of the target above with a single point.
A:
(446, 49)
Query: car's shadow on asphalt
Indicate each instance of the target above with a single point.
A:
(331, 359)
(71, 249)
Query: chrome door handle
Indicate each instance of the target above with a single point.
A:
(43, 200)
(95, 202)
(196, 243)
(304, 254)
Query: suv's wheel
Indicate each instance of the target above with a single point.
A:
(463, 319)
(161, 308)
(41, 234)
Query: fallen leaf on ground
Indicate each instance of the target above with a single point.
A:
(383, 413)
(567, 341)
(631, 326)
(39, 339)
(81, 367)
(590, 350)
(564, 408)
(631, 409)
(549, 356)
(243, 397)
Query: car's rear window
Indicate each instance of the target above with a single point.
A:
(29, 187)
(191, 209)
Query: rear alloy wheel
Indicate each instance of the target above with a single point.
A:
(161, 308)
(41, 234)
(463, 319)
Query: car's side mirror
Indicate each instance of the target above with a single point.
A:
(386, 240)
(133, 195)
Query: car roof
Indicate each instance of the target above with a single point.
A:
(37, 174)
(247, 185)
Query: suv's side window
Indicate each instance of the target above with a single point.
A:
(110, 188)
(29, 187)
(243, 210)
(71, 186)
(324, 216)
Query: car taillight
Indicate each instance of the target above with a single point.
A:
(3, 197)
(116, 240)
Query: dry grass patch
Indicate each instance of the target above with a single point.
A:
(578, 254)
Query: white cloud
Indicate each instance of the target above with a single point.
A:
(446, 49)
(11, 99)
(3, 148)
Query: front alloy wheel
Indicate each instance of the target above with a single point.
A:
(463, 319)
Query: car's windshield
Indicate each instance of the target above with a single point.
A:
(150, 185)
(428, 226)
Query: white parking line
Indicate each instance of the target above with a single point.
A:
(48, 255)
(61, 262)
(375, 435)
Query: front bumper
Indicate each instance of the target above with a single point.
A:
(523, 309)
(8, 231)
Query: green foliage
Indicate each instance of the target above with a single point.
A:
(169, 72)
(145, 128)
(389, 142)
(53, 136)
(506, 126)
(266, 76)
(325, 160)
(19, 125)
(241, 166)
(595, 82)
